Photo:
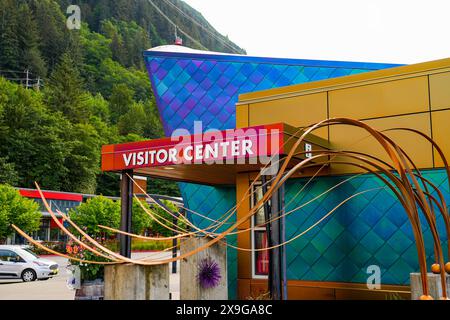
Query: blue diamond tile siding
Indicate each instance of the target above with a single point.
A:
(207, 79)
(343, 248)
(203, 87)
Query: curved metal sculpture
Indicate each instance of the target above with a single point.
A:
(400, 175)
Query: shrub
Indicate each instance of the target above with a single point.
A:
(15, 209)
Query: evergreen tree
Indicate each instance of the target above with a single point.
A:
(8, 174)
(65, 91)
(133, 121)
(51, 25)
(120, 101)
(28, 39)
(9, 42)
(83, 161)
(32, 137)
(97, 86)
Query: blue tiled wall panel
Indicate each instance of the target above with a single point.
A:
(206, 88)
(202, 87)
(370, 229)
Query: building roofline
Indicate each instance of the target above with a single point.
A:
(85, 195)
(217, 56)
(394, 73)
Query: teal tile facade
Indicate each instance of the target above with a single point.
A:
(371, 229)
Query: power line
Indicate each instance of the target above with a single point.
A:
(26, 82)
(175, 25)
(214, 35)
(12, 71)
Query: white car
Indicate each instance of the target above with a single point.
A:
(18, 262)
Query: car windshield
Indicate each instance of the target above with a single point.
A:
(27, 254)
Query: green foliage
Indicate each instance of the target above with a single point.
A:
(156, 186)
(97, 211)
(82, 162)
(9, 41)
(65, 91)
(33, 137)
(128, 39)
(107, 184)
(88, 271)
(55, 38)
(98, 107)
(28, 38)
(142, 245)
(96, 89)
(141, 220)
(8, 175)
(163, 216)
(133, 121)
(120, 101)
(44, 146)
(111, 73)
(104, 211)
(17, 210)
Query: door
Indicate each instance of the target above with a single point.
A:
(11, 264)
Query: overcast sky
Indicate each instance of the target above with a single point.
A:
(398, 31)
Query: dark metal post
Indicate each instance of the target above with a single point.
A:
(276, 231)
(265, 187)
(126, 196)
(175, 243)
(283, 248)
(275, 257)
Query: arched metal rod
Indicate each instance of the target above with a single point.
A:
(414, 197)
(61, 226)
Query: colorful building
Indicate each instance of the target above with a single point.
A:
(62, 201)
(232, 91)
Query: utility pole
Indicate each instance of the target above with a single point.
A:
(28, 78)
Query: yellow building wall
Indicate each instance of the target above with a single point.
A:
(416, 96)
(301, 111)
(384, 99)
(440, 91)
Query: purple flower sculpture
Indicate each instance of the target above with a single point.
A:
(208, 273)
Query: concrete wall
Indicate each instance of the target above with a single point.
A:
(135, 282)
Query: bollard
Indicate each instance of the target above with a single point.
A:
(434, 285)
(190, 287)
(136, 282)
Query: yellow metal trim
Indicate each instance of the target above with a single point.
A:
(396, 73)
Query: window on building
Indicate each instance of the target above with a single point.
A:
(259, 236)
(43, 234)
(62, 205)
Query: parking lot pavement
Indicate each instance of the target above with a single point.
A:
(56, 288)
(51, 289)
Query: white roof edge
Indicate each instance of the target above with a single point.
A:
(183, 49)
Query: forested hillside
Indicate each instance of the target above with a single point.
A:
(64, 93)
